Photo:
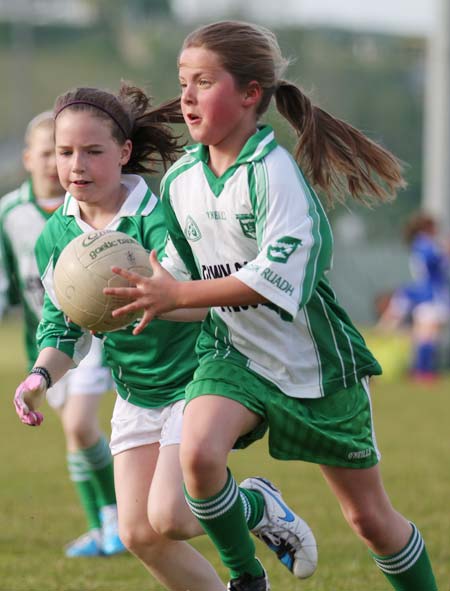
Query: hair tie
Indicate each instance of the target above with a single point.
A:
(92, 104)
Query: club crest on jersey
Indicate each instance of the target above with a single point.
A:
(282, 249)
(248, 224)
(191, 230)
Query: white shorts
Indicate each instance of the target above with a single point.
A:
(431, 313)
(90, 377)
(133, 426)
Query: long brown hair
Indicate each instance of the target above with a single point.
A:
(131, 116)
(336, 157)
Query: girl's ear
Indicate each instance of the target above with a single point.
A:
(126, 152)
(26, 159)
(252, 94)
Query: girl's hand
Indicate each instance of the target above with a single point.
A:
(154, 295)
(28, 396)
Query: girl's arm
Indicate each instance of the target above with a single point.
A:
(55, 362)
(50, 366)
(185, 315)
(162, 293)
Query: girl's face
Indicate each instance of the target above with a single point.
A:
(216, 112)
(39, 161)
(88, 159)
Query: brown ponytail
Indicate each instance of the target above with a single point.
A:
(337, 158)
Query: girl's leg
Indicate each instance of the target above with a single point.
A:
(168, 511)
(426, 333)
(91, 469)
(266, 514)
(175, 564)
(394, 542)
(211, 425)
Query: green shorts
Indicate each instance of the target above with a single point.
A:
(336, 430)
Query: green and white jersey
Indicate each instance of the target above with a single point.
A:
(262, 223)
(21, 222)
(152, 368)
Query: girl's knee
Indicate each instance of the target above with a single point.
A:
(138, 539)
(169, 523)
(199, 458)
(368, 523)
(80, 434)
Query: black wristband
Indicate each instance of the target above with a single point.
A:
(44, 373)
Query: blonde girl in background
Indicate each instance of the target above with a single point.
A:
(76, 399)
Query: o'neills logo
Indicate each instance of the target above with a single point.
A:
(359, 455)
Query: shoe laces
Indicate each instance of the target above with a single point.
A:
(280, 535)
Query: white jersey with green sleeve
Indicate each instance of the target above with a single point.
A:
(262, 223)
(152, 368)
(21, 222)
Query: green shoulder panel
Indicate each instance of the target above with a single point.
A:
(173, 227)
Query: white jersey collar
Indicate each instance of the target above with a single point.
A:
(140, 201)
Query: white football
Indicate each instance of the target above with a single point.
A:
(83, 269)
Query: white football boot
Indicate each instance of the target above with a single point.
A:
(112, 544)
(284, 532)
(87, 545)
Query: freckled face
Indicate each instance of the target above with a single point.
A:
(88, 158)
(213, 107)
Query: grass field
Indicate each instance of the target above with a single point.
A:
(39, 512)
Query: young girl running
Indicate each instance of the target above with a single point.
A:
(99, 138)
(276, 349)
(76, 399)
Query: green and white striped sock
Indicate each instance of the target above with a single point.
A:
(100, 463)
(223, 519)
(409, 569)
(80, 475)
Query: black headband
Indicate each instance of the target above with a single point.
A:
(92, 104)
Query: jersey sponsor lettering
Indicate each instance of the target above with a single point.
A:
(220, 270)
(278, 281)
(238, 308)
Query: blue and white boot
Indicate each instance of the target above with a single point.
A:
(111, 543)
(86, 546)
(284, 532)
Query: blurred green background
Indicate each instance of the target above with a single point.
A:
(374, 81)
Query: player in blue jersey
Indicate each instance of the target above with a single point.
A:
(424, 304)
(276, 350)
(102, 141)
(23, 215)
